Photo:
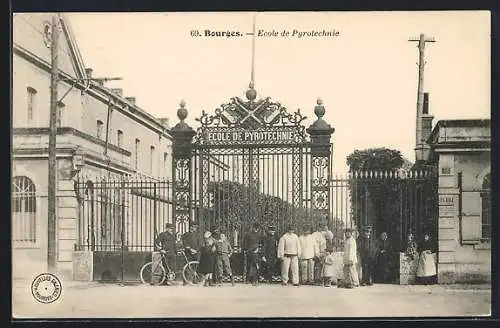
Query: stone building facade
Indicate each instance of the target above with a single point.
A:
(133, 143)
(461, 150)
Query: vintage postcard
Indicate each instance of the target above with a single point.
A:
(267, 164)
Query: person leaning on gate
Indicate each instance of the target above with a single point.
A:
(288, 252)
(269, 252)
(166, 243)
(367, 250)
(251, 246)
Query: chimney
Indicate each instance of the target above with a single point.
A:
(118, 91)
(426, 103)
(88, 72)
(131, 99)
(164, 121)
(423, 151)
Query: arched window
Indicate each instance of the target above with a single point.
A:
(486, 207)
(23, 210)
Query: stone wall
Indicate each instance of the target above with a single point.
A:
(67, 227)
(83, 266)
(463, 256)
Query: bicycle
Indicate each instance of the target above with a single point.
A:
(155, 273)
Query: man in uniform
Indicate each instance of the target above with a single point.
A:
(367, 250)
(192, 241)
(270, 253)
(166, 243)
(251, 246)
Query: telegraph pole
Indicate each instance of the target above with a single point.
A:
(52, 163)
(422, 40)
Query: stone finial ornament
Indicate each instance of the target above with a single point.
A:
(319, 109)
(251, 93)
(182, 111)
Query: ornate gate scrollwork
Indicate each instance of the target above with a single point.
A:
(251, 161)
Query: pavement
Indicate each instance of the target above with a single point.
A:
(98, 300)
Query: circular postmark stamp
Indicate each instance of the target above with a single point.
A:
(46, 288)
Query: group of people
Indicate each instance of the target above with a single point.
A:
(305, 257)
(367, 260)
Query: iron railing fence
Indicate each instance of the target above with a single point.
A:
(126, 212)
(395, 202)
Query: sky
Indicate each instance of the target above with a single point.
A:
(366, 75)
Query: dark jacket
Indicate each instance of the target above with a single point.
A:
(428, 245)
(384, 246)
(193, 240)
(251, 241)
(167, 241)
(270, 247)
(367, 247)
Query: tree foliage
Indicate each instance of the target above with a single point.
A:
(375, 159)
(377, 201)
(236, 206)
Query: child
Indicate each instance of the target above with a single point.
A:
(328, 269)
(223, 250)
(207, 258)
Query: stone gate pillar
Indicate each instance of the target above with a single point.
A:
(182, 135)
(320, 132)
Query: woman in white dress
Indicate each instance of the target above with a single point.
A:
(426, 270)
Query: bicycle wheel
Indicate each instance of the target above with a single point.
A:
(153, 273)
(191, 275)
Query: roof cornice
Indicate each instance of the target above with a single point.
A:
(100, 93)
(457, 123)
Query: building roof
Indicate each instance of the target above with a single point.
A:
(464, 123)
(76, 68)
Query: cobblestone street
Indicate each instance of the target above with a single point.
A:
(94, 300)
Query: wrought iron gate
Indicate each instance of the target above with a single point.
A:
(119, 219)
(251, 161)
(399, 203)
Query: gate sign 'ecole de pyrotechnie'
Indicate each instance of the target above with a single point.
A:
(284, 135)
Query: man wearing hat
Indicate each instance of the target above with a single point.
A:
(192, 242)
(270, 253)
(367, 250)
(166, 243)
(251, 245)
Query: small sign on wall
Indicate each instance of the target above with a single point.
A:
(447, 205)
(446, 171)
(446, 200)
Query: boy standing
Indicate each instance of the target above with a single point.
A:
(224, 251)
(328, 269)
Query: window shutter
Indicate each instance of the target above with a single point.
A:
(471, 230)
(471, 217)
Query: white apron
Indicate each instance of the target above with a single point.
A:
(426, 264)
